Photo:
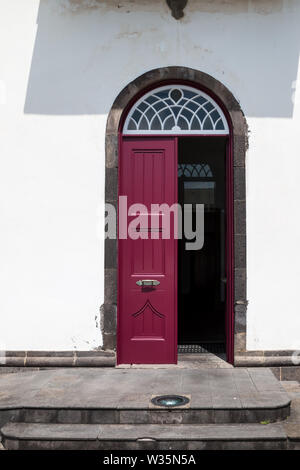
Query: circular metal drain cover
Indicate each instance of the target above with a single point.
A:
(170, 400)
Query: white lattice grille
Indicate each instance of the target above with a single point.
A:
(194, 170)
(176, 110)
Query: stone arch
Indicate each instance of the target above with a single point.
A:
(239, 133)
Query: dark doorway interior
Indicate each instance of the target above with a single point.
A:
(202, 273)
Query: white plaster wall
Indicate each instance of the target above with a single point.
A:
(62, 63)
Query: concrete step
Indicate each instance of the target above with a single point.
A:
(20, 436)
(274, 410)
(110, 396)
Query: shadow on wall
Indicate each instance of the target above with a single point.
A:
(86, 51)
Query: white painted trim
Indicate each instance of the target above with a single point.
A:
(177, 130)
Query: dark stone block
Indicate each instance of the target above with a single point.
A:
(109, 341)
(278, 353)
(240, 285)
(95, 353)
(119, 445)
(8, 415)
(166, 417)
(175, 445)
(11, 444)
(39, 416)
(240, 127)
(85, 417)
(239, 184)
(111, 184)
(198, 416)
(273, 361)
(240, 251)
(69, 416)
(253, 354)
(239, 151)
(153, 76)
(242, 360)
(110, 253)
(13, 370)
(111, 151)
(240, 322)
(50, 361)
(109, 318)
(246, 445)
(147, 444)
(239, 342)
(136, 417)
(93, 361)
(13, 361)
(104, 416)
(50, 353)
(290, 373)
(257, 416)
(237, 416)
(14, 353)
(293, 445)
(114, 116)
(240, 217)
(58, 445)
(110, 283)
(221, 416)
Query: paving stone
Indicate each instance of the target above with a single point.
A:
(293, 445)
(223, 402)
(290, 373)
(290, 384)
(39, 416)
(131, 389)
(39, 431)
(8, 415)
(295, 411)
(104, 416)
(202, 432)
(131, 416)
(168, 417)
(140, 436)
(201, 401)
(134, 401)
(69, 416)
(264, 380)
(292, 388)
(293, 431)
(57, 445)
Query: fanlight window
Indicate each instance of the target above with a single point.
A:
(194, 170)
(176, 110)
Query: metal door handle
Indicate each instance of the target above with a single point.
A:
(147, 282)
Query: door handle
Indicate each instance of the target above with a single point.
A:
(147, 282)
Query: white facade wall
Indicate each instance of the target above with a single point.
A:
(62, 64)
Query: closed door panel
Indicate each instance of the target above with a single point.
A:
(147, 301)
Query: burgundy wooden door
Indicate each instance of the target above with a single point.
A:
(147, 315)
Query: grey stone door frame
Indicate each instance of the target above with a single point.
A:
(239, 133)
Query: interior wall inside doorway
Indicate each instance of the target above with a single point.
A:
(202, 273)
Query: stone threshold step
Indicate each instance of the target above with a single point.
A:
(155, 415)
(123, 436)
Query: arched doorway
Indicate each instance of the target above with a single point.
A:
(212, 129)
